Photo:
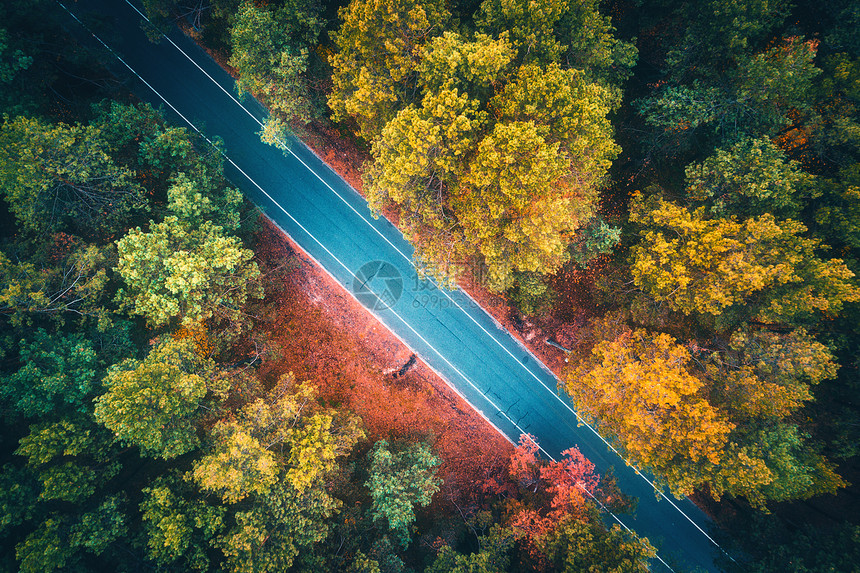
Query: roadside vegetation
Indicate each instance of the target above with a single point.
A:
(695, 166)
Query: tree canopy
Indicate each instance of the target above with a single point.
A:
(56, 371)
(671, 187)
(154, 403)
(186, 275)
(638, 389)
(697, 263)
(62, 177)
(489, 144)
(270, 51)
(399, 481)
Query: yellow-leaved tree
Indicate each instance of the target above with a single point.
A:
(374, 70)
(155, 404)
(271, 462)
(762, 379)
(490, 145)
(698, 264)
(715, 418)
(176, 272)
(637, 388)
(505, 180)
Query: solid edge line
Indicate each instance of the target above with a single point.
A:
(409, 259)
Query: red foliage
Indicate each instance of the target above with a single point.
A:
(531, 527)
(497, 485)
(570, 480)
(322, 335)
(63, 245)
(530, 523)
(524, 463)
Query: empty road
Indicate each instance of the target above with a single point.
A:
(370, 258)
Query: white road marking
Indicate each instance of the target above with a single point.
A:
(284, 146)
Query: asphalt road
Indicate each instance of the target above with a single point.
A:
(370, 258)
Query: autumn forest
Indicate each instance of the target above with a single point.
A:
(667, 190)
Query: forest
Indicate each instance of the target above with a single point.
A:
(672, 188)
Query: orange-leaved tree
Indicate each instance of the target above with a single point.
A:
(637, 389)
